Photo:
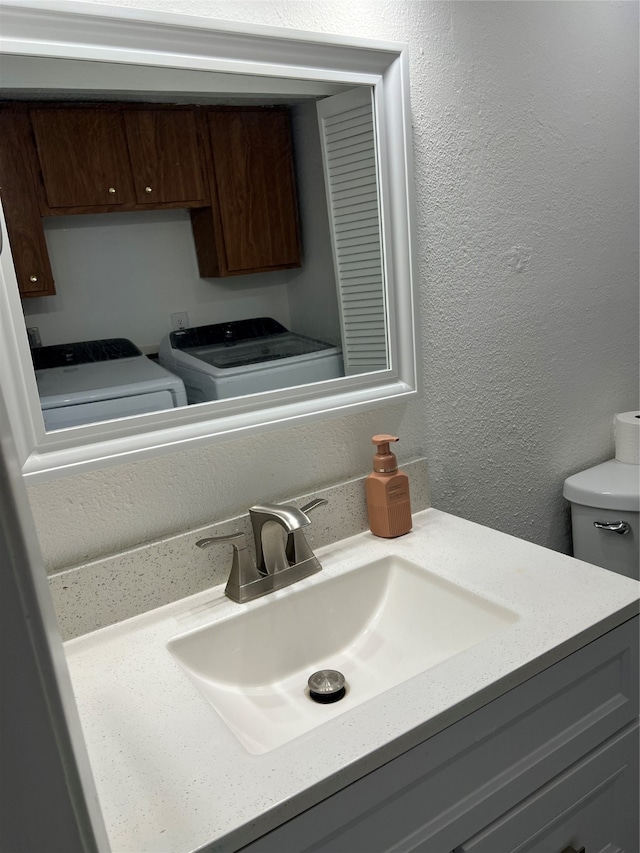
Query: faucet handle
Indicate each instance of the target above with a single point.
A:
(243, 570)
(238, 540)
(314, 504)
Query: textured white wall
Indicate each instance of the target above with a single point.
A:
(526, 159)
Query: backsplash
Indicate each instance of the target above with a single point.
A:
(100, 593)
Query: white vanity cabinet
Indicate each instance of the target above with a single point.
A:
(551, 765)
(523, 743)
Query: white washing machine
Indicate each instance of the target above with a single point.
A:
(246, 357)
(89, 381)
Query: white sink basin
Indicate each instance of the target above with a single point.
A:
(379, 624)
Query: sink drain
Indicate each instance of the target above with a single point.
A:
(326, 686)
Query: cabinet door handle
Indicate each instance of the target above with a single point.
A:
(620, 527)
(112, 190)
(148, 189)
(571, 849)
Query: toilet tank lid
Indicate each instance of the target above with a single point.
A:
(611, 485)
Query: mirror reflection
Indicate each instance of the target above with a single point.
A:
(207, 235)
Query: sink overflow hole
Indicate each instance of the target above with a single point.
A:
(326, 686)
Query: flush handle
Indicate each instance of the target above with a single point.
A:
(620, 527)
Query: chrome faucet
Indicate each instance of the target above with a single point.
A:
(283, 554)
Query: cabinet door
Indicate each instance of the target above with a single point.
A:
(20, 203)
(592, 806)
(83, 157)
(165, 156)
(255, 186)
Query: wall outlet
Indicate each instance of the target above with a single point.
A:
(33, 333)
(180, 320)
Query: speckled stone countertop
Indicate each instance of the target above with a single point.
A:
(172, 777)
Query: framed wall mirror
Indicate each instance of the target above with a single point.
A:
(270, 283)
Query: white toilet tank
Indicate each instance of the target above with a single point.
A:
(605, 513)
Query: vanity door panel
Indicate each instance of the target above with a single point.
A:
(83, 157)
(165, 156)
(593, 806)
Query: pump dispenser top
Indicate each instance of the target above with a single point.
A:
(387, 492)
(384, 461)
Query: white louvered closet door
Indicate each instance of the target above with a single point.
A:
(350, 168)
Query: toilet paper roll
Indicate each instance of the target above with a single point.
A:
(627, 437)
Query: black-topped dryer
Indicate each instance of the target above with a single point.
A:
(92, 381)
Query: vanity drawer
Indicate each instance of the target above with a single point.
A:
(593, 805)
(453, 785)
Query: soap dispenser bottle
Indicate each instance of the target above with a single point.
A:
(387, 491)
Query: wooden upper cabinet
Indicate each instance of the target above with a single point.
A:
(115, 157)
(253, 175)
(232, 166)
(165, 156)
(18, 171)
(83, 157)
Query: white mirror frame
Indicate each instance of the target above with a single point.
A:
(70, 30)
